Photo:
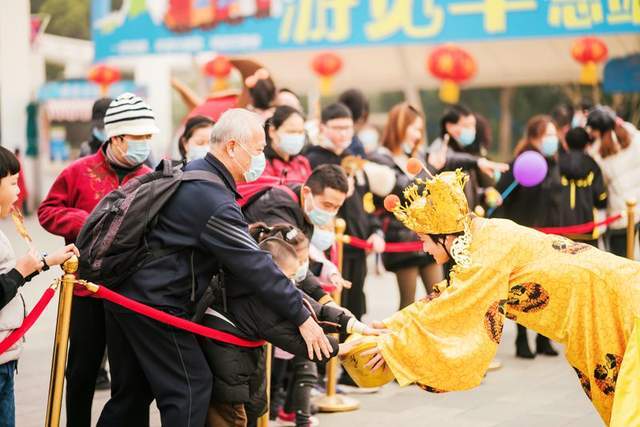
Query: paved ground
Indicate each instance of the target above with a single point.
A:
(543, 392)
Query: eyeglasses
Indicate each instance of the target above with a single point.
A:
(344, 129)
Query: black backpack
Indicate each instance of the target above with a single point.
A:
(112, 242)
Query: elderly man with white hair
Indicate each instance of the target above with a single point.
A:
(200, 232)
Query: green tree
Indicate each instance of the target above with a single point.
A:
(69, 18)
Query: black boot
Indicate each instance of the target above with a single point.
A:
(522, 344)
(543, 346)
(102, 380)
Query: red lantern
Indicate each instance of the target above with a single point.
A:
(453, 65)
(589, 51)
(326, 65)
(219, 68)
(104, 76)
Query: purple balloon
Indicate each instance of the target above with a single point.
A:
(530, 169)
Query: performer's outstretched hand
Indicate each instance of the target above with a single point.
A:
(378, 325)
(377, 361)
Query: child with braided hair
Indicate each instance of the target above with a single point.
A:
(239, 383)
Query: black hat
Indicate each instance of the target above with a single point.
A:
(99, 110)
(601, 119)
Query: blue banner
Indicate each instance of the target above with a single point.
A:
(243, 26)
(83, 89)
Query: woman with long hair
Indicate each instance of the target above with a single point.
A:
(403, 138)
(537, 206)
(616, 148)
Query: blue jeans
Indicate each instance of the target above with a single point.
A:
(7, 398)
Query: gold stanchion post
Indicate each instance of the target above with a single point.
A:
(333, 402)
(263, 421)
(59, 359)
(631, 228)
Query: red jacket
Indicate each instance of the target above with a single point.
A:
(75, 193)
(296, 170)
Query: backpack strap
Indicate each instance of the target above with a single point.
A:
(201, 175)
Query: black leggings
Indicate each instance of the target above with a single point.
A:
(303, 376)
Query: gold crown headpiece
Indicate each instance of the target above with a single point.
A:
(435, 205)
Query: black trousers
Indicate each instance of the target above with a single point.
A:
(86, 350)
(354, 269)
(148, 361)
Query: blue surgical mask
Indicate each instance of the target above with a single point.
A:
(99, 134)
(291, 143)
(319, 216)
(137, 151)
(369, 138)
(258, 163)
(467, 136)
(549, 145)
(197, 152)
(322, 239)
(302, 272)
(576, 121)
(407, 148)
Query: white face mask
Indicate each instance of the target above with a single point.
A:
(291, 143)
(322, 239)
(302, 272)
(369, 138)
(197, 152)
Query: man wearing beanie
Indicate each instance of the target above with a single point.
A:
(129, 124)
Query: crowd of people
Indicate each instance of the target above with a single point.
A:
(259, 238)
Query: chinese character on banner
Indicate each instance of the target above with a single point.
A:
(624, 12)
(494, 11)
(316, 20)
(390, 17)
(575, 14)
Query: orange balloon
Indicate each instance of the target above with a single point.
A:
(391, 202)
(414, 166)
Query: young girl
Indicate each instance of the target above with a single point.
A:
(14, 274)
(293, 401)
(239, 386)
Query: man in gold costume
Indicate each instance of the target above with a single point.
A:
(575, 294)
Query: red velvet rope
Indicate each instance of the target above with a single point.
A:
(395, 247)
(580, 228)
(28, 322)
(389, 247)
(174, 321)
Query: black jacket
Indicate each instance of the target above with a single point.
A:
(394, 230)
(359, 223)
(276, 206)
(538, 206)
(237, 371)
(9, 284)
(205, 226)
(583, 187)
(463, 158)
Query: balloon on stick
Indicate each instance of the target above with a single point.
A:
(529, 170)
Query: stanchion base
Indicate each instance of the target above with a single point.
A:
(337, 403)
